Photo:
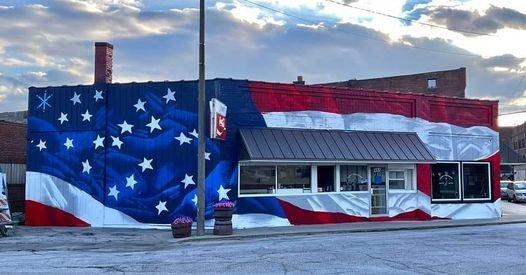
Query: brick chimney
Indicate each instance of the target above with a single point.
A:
(103, 62)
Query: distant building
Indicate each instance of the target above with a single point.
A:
(13, 161)
(518, 139)
(448, 83)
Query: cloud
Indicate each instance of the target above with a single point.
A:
(494, 19)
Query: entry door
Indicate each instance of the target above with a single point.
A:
(378, 190)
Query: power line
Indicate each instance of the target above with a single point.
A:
(408, 20)
(359, 34)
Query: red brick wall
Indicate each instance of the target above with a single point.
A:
(449, 83)
(103, 62)
(12, 142)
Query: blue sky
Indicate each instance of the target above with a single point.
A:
(51, 42)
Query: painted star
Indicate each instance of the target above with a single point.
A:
(116, 142)
(99, 142)
(182, 138)
(146, 164)
(139, 105)
(41, 145)
(44, 101)
(114, 192)
(76, 99)
(130, 181)
(125, 127)
(68, 143)
(86, 116)
(194, 133)
(63, 117)
(154, 124)
(207, 156)
(161, 207)
(169, 96)
(86, 167)
(223, 193)
(194, 200)
(98, 95)
(188, 180)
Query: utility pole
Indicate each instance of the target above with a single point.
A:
(201, 117)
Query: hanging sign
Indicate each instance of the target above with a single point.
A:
(217, 119)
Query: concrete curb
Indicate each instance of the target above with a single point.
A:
(328, 231)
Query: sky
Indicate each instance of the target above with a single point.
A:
(49, 43)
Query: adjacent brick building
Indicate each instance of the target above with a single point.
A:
(13, 161)
(448, 83)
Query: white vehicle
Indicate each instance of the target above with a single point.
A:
(517, 191)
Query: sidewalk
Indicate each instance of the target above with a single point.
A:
(356, 227)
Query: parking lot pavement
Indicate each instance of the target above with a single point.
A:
(513, 209)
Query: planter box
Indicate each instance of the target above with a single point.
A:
(182, 230)
(223, 221)
(224, 214)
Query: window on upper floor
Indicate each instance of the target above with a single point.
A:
(432, 83)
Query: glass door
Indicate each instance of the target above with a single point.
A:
(378, 190)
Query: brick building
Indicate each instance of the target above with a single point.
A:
(518, 139)
(448, 83)
(13, 161)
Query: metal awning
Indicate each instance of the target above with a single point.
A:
(279, 144)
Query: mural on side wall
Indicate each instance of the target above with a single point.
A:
(124, 155)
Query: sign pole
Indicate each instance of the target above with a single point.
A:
(201, 131)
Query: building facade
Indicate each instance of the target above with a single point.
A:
(125, 155)
(448, 83)
(13, 161)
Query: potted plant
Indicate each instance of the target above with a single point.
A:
(223, 211)
(182, 227)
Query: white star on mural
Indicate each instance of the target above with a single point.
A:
(207, 156)
(99, 142)
(146, 164)
(68, 143)
(169, 96)
(130, 181)
(98, 95)
(194, 200)
(161, 207)
(194, 133)
(154, 124)
(63, 117)
(76, 99)
(86, 167)
(41, 145)
(188, 180)
(114, 192)
(223, 193)
(116, 142)
(139, 105)
(182, 138)
(86, 116)
(125, 127)
(44, 101)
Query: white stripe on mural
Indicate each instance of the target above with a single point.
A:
(57, 193)
(445, 141)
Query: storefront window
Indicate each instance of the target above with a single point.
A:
(353, 178)
(257, 180)
(401, 179)
(294, 179)
(445, 181)
(476, 181)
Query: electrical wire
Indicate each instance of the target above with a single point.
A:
(408, 20)
(359, 34)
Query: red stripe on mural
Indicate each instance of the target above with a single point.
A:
(298, 216)
(38, 214)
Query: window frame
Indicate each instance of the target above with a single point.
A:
(436, 83)
(489, 181)
(460, 189)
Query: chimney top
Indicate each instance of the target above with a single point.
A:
(103, 62)
(103, 44)
(299, 81)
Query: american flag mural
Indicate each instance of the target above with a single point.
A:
(125, 154)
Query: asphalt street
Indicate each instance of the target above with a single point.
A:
(465, 250)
